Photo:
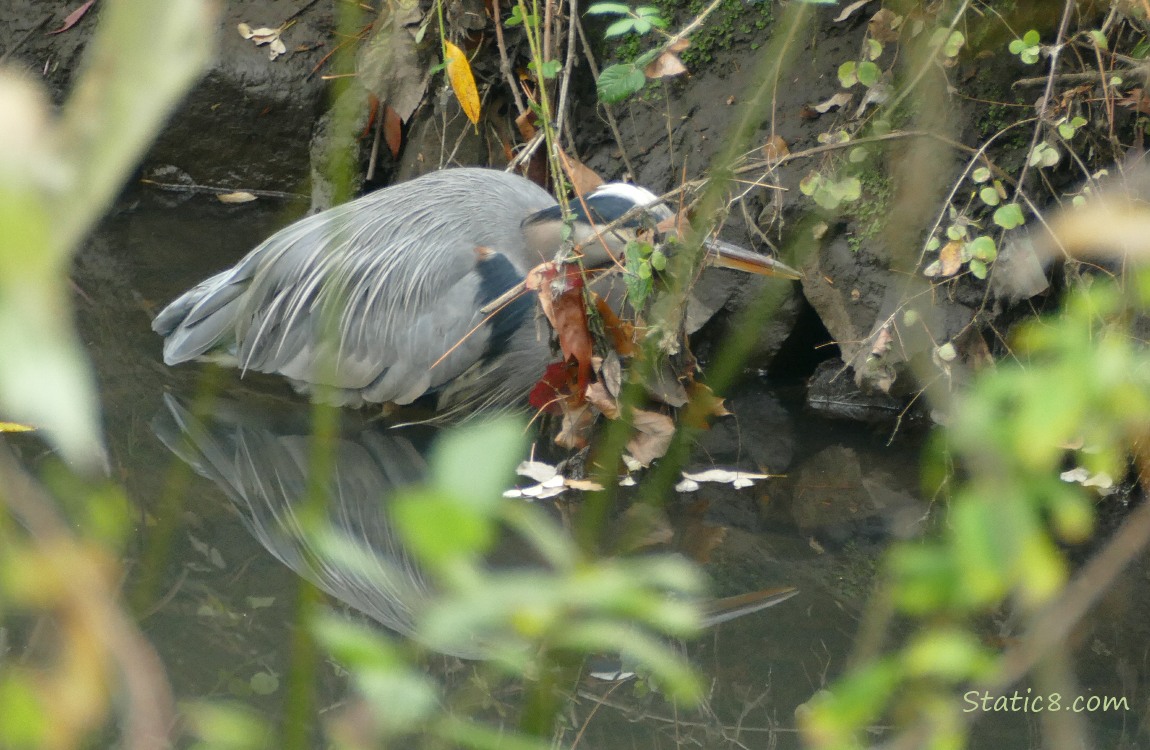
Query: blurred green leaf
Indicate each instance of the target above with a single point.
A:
(476, 462)
(226, 726)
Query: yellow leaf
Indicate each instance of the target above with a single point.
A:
(462, 81)
(15, 427)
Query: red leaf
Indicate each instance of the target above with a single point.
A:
(74, 17)
(392, 131)
(551, 388)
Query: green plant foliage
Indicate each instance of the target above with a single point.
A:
(830, 194)
(1027, 48)
(617, 82)
(1009, 216)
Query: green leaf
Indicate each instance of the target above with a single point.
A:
(1030, 55)
(978, 268)
(550, 69)
(264, 683)
(599, 9)
(621, 27)
(954, 43)
(873, 49)
(658, 261)
(948, 653)
(642, 26)
(618, 82)
(1099, 39)
(989, 196)
(1031, 38)
(983, 248)
(1009, 216)
(982, 174)
(476, 461)
(868, 73)
(1016, 46)
(847, 74)
(955, 232)
(439, 529)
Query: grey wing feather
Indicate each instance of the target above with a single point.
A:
(392, 276)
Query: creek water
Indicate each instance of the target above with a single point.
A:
(216, 584)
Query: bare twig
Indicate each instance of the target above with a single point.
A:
(611, 122)
(175, 187)
(505, 63)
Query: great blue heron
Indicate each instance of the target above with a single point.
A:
(381, 299)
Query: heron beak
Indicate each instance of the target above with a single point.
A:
(726, 255)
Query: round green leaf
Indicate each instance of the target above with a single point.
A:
(868, 73)
(983, 249)
(847, 74)
(978, 268)
(989, 196)
(980, 175)
(1009, 216)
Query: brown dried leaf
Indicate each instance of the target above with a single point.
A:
(775, 148)
(389, 63)
(666, 65)
(841, 99)
(849, 11)
(622, 333)
(525, 124)
(583, 178)
(570, 321)
(883, 26)
(602, 400)
(882, 341)
(74, 17)
(392, 130)
(950, 256)
(653, 433)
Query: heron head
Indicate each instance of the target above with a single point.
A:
(614, 205)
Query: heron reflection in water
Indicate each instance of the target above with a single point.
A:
(260, 457)
(385, 299)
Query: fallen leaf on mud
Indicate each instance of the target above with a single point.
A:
(882, 342)
(462, 81)
(240, 196)
(775, 148)
(666, 65)
(849, 11)
(653, 433)
(74, 17)
(841, 99)
(883, 26)
(262, 36)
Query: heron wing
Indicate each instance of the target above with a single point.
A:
(379, 296)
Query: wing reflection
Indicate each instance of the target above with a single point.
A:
(260, 459)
